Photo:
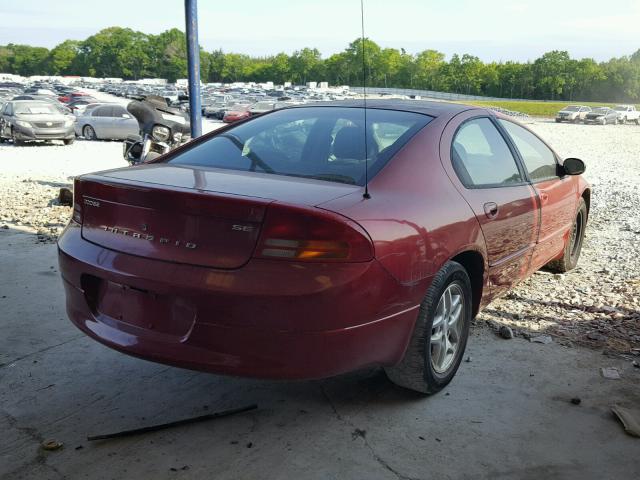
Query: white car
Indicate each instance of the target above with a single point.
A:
(572, 113)
(106, 121)
(627, 113)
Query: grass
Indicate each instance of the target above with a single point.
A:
(535, 109)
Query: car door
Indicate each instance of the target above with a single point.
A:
(122, 123)
(102, 121)
(556, 195)
(484, 168)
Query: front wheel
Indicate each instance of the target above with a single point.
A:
(573, 246)
(440, 334)
(16, 142)
(69, 141)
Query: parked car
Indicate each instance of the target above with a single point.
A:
(627, 113)
(70, 97)
(572, 113)
(106, 121)
(281, 247)
(215, 110)
(27, 120)
(236, 113)
(602, 115)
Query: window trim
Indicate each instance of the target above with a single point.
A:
(558, 175)
(510, 146)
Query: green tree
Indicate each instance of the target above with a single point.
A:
(62, 58)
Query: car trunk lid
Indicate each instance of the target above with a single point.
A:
(188, 215)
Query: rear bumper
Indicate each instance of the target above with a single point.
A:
(269, 319)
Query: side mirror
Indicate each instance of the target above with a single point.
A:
(573, 166)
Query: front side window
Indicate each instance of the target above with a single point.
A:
(325, 143)
(481, 157)
(538, 159)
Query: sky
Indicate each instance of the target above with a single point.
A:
(494, 30)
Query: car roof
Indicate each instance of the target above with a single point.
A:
(431, 108)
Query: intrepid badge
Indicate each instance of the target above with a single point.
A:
(150, 238)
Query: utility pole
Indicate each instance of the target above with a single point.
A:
(193, 59)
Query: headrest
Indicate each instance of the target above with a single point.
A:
(349, 143)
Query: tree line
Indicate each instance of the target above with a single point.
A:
(125, 53)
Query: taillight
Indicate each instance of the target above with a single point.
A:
(292, 233)
(77, 202)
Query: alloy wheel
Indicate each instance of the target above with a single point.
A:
(446, 331)
(89, 133)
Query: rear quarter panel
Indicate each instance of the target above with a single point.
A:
(416, 219)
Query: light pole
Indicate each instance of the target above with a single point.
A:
(193, 60)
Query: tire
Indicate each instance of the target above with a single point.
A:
(69, 141)
(637, 121)
(89, 133)
(422, 369)
(573, 247)
(16, 142)
(557, 120)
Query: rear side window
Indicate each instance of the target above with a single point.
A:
(102, 112)
(538, 159)
(325, 143)
(481, 157)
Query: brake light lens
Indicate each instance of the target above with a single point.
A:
(77, 203)
(312, 235)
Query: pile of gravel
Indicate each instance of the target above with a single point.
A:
(33, 205)
(598, 303)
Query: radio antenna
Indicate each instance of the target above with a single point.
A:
(364, 91)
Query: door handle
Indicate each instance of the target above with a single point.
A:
(544, 197)
(491, 209)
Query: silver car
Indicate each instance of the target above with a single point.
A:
(28, 120)
(106, 121)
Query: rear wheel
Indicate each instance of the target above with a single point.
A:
(440, 334)
(573, 246)
(89, 133)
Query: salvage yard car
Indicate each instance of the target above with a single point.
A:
(106, 121)
(572, 113)
(28, 120)
(627, 113)
(602, 116)
(307, 241)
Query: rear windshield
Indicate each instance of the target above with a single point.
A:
(325, 143)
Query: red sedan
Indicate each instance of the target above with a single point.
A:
(236, 113)
(70, 97)
(306, 242)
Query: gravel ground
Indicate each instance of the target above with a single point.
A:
(596, 305)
